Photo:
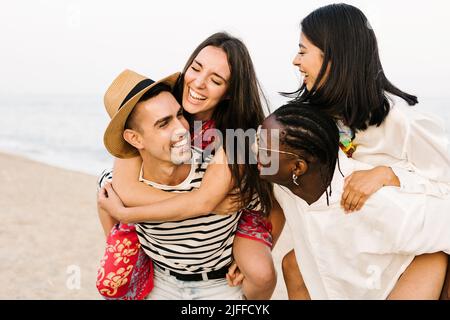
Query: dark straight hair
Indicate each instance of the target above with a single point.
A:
(355, 88)
(242, 109)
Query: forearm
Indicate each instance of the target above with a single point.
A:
(135, 194)
(150, 204)
(131, 191)
(182, 206)
(106, 221)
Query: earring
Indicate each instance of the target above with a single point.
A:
(294, 179)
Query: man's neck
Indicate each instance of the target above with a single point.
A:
(164, 172)
(309, 192)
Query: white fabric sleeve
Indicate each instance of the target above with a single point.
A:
(425, 230)
(426, 147)
(411, 182)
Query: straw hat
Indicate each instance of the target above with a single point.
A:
(120, 99)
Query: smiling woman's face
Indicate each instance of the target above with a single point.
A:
(309, 61)
(206, 82)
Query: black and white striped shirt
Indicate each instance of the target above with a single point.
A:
(194, 245)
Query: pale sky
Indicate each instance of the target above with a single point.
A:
(78, 47)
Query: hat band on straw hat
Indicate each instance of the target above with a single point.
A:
(137, 88)
(120, 99)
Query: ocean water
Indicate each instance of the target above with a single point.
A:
(64, 131)
(67, 131)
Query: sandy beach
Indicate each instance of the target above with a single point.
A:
(50, 233)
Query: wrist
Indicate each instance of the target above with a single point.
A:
(122, 214)
(390, 178)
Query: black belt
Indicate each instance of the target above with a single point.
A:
(216, 274)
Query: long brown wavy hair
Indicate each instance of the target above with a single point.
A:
(243, 109)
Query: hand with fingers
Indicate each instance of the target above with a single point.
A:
(108, 200)
(234, 275)
(360, 185)
(229, 205)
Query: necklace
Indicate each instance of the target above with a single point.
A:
(346, 136)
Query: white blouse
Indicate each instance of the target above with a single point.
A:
(413, 144)
(362, 255)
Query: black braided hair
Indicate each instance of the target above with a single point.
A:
(311, 131)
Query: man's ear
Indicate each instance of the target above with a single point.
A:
(301, 167)
(134, 138)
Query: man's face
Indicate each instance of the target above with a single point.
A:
(165, 134)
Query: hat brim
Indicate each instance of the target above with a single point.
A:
(113, 137)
